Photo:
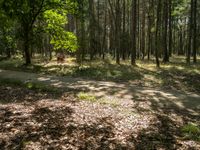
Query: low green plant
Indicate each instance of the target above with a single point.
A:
(191, 131)
(108, 102)
(86, 97)
(40, 87)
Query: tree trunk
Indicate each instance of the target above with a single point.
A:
(170, 28)
(133, 31)
(27, 52)
(157, 33)
(190, 33)
(165, 35)
(143, 35)
(195, 33)
(26, 46)
(92, 34)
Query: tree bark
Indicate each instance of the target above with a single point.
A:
(133, 31)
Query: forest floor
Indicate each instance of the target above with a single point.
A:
(175, 75)
(40, 111)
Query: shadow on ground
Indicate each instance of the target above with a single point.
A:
(170, 115)
(47, 122)
(54, 127)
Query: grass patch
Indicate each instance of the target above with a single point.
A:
(29, 85)
(112, 103)
(191, 131)
(88, 97)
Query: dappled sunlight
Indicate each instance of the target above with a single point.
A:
(175, 75)
(141, 104)
(68, 124)
(168, 98)
(120, 90)
(99, 75)
(122, 113)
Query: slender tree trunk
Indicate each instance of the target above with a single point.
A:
(92, 29)
(157, 33)
(195, 33)
(170, 28)
(149, 30)
(133, 31)
(143, 35)
(26, 46)
(104, 44)
(165, 35)
(117, 31)
(190, 32)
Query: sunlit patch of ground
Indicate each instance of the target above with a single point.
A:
(174, 75)
(32, 119)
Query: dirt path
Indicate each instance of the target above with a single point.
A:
(145, 118)
(124, 92)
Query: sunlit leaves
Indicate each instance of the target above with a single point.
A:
(65, 41)
(53, 18)
(180, 7)
(60, 38)
(51, 13)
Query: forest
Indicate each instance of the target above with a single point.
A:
(122, 29)
(99, 74)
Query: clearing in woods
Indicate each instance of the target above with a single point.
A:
(91, 114)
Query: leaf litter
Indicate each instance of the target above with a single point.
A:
(37, 120)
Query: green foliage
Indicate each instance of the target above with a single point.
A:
(191, 131)
(7, 33)
(181, 7)
(60, 38)
(43, 17)
(86, 97)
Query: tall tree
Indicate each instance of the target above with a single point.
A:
(165, 35)
(92, 29)
(26, 12)
(190, 31)
(157, 40)
(133, 31)
(195, 33)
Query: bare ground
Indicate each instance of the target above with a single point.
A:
(144, 118)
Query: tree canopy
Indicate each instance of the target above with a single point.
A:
(124, 29)
(45, 16)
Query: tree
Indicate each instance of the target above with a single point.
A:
(165, 34)
(122, 29)
(157, 45)
(7, 35)
(55, 26)
(26, 12)
(195, 33)
(133, 31)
